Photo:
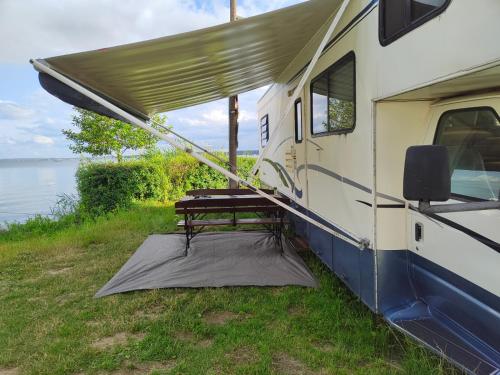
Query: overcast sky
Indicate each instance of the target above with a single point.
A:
(31, 120)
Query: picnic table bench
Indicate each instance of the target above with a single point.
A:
(198, 203)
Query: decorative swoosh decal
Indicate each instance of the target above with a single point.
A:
(319, 148)
(285, 177)
(338, 177)
(275, 167)
(484, 240)
(282, 143)
(382, 205)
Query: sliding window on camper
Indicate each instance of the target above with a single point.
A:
(333, 98)
(398, 17)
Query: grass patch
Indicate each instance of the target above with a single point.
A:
(51, 324)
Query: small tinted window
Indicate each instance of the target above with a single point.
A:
(333, 98)
(264, 130)
(298, 121)
(397, 17)
(472, 137)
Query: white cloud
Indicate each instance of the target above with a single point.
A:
(33, 29)
(53, 27)
(219, 116)
(27, 129)
(247, 116)
(6, 140)
(43, 140)
(216, 116)
(12, 111)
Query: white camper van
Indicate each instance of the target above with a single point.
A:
(401, 74)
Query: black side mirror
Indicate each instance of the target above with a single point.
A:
(427, 174)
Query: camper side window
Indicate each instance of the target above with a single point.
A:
(298, 121)
(264, 130)
(397, 17)
(472, 137)
(333, 98)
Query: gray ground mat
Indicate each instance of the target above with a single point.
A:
(214, 260)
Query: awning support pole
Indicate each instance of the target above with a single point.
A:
(233, 120)
(298, 90)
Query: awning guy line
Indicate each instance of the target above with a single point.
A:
(349, 237)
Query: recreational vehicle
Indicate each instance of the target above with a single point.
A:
(401, 74)
(381, 125)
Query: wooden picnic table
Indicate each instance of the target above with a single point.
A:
(197, 203)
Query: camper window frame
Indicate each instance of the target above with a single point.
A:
(263, 141)
(297, 140)
(327, 71)
(461, 197)
(410, 27)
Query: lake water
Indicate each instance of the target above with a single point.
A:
(32, 186)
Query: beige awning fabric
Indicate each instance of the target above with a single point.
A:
(183, 70)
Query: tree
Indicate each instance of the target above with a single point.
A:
(100, 135)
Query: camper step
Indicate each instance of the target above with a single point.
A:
(218, 222)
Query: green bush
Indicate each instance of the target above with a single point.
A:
(184, 172)
(105, 187)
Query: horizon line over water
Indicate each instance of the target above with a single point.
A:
(83, 157)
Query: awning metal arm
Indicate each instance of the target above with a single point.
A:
(346, 236)
(298, 90)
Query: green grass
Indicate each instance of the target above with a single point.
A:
(51, 324)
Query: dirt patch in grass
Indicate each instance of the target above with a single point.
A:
(185, 336)
(9, 371)
(242, 356)
(219, 317)
(149, 313)
(276, 291)
(323, 346)
(68, 297)
(204, 344)
(60, 271)
(32, 280)
(189, 337)
(67, 254)
(120, 338)
(284, 364)
(296, 311)
(130, 368)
